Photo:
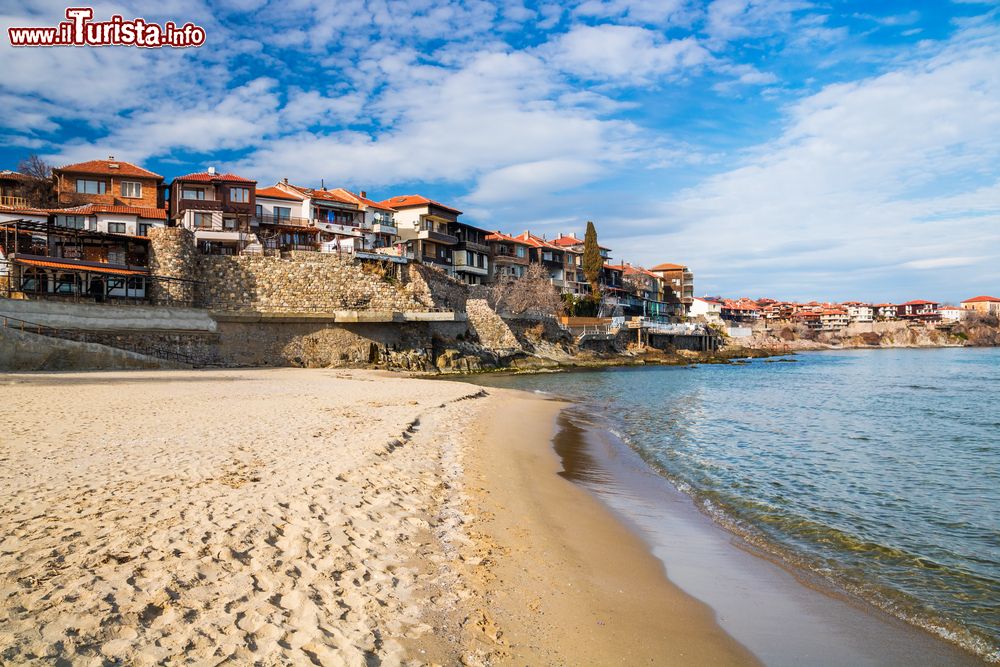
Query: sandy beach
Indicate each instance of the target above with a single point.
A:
(314, 517)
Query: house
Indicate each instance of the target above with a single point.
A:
(471, 255)
(12, 186)
(809, 318)
(70, 253)
(576, 282)
(952, 313)
(108, 182)
(218, 208)
(509, 257)
(919, 310)
(861, 313)
(281, 221)
(742, 310)
(833, 319)
(678, 285)
(378, 225)
(885, 311)
(425, 228)
(986, 305)
(551, 257)
(710, 309)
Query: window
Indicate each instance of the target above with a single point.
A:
(131, 189)
(193, 193)
(241, 195)
(136, 283)
(87, 187)
(520, 251)
(282, 212)
(144, 228)
(260, 211)
(72, 221)
(202, 220)
(116, 227)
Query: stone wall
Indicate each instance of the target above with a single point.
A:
(304, 282)
(493, 333)
(172, 255)
(21, 351)
(435, 289)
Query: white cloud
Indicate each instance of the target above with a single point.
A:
(878, 180)
(532, 179)
(623, 54)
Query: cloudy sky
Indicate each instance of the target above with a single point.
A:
(828, 149)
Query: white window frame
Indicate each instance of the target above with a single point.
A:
(198, 192)
(134, 186)
(239, 195)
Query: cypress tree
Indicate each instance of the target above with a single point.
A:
(592, 261)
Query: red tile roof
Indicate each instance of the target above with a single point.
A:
(982, 299)
(535, 241)
(90, 209)
(205, 177)
(331, 195)
(500, 236)
(409, 201)
(667, 267)
(78, 267)
(569, 240)
(104, 167)
(15, 176)
(919, 302)
(276, 193)
(361, 201)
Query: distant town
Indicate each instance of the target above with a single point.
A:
(83, 230)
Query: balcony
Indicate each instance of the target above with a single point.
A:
(13, 202)
(475, 246)
(284, 221)
(382, 228)
(476, 270)
(199, 205)
(437, 237)
(688, 277)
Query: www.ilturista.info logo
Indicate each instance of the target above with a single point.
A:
(79, 30)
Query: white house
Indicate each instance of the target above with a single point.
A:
(707, 308)
(858, 312)
(952, 313)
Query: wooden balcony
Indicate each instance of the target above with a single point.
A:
(13, 202)
(199, 205)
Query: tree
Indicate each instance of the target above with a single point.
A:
(37, 188)
(592, 260)
(532, 293)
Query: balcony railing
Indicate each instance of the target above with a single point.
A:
(13, 202)
(437, 237)
(383, 228)
(284, 220)
(199, 204)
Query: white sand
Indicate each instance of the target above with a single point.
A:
(276, 517)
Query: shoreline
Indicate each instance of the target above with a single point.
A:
(566, 580)
(795, 617)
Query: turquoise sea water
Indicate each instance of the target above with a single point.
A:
(876, 469)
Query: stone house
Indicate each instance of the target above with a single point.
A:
(108, 182)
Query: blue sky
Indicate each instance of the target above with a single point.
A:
(788, 148)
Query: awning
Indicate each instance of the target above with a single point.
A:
(69, 266)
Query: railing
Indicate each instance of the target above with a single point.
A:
(19, 202)
(268, 219)
(199, 204)
(72, 334)
(437, 237)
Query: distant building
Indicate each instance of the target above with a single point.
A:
(987, 305)
(678, 282)
(919, 310)
(710, 309)
(509, 257)
(885, 311)
(861, 313)
(742, 310)
(952, 313)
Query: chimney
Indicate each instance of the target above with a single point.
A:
(211, 171)
(364, 195)
(322, 184)
(285, 181)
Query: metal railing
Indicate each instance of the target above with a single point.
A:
(158, 352)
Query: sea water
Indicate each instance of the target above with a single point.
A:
(877, 470)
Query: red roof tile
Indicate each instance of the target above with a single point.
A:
(919, 302)
(409, 201)
(276, 193)
(78, 267)
(104, 167)
(205, 177)
(667, 267)
(982, 299)
(90, 209)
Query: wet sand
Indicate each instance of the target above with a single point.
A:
(785, 616)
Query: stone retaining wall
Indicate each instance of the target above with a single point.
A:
(306, 282)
